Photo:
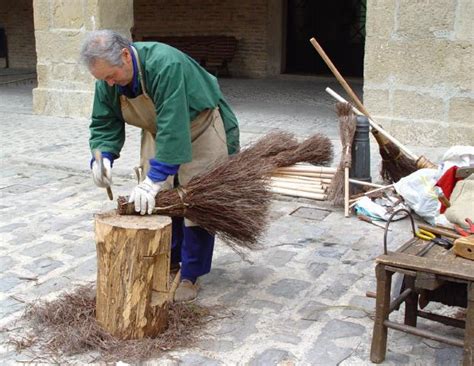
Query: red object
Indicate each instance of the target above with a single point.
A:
(468, 231)
(447, 183)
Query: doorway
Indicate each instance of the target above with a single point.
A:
(338, 26)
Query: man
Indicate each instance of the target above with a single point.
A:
(186, 126)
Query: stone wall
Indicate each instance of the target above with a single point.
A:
(244, 19)
(17, 19)
(65, 88)
(419, 69)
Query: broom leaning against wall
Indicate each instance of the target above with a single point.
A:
(397, 160)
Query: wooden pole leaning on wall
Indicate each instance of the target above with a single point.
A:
(133, 260)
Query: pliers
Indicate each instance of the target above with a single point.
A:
(433, 240)
(425, 235)
(465, 232)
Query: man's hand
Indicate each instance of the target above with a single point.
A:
(102, 175)
(143, 195)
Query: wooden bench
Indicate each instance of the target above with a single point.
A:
(214, 53)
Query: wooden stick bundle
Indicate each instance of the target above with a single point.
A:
(303, 180)
(300, 168)
(299, 193)
(316, 180)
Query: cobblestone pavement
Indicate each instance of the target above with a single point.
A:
(298, 301)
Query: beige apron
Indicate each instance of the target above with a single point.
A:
(208, 139)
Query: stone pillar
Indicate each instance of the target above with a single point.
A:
(419, 70)
(276, 34)
(65, 88)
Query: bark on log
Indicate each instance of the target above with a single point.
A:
(133, 259)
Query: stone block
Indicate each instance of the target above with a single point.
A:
(62, 103)
(271, 356)
(377, 66)
(326, 352)
(71, 76)
(8, 281)
(417, 105)
(421, 63)
(42, 15)
(342, 329)
(461, 110)
(111, 15)
(42, 74)
(83, 79)
(377, 101)
(429, 134)
(461, 135)
(464, 26)
(58, 46)
(288, 288)
(380, 19)
(425, 19)
(43, 266)
(68, 14)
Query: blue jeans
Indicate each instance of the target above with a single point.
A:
(193, 247)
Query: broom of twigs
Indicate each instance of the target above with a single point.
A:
(398, 161)
(232, 198)
(395, 164)
(347, 126)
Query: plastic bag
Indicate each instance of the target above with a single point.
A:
(420, 194)
(380, 208)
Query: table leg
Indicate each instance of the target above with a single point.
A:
(469, 331)
(382, 306)
(411, 303)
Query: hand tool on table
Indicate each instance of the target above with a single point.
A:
(371, 221)
(100, 163)
(440, 231)
(464, 247)
(465, 232)
(433, 240)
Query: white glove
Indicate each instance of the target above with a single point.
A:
(102, 177)
(143, 195)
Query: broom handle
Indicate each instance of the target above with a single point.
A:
(355, 98)
(373, 124)
(346, 192)
(338, 76)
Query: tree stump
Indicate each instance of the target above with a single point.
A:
(133, 263)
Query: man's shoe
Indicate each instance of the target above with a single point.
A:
(186, 291)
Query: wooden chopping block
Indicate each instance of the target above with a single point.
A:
(464, 247)
(133, 266)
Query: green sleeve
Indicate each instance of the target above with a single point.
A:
(231, 126)
(173, 137)
(107, 129)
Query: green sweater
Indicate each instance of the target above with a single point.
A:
(180, 89)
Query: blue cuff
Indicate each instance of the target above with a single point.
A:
(107, 155)
(159, 171)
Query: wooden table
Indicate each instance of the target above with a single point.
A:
(436, 268)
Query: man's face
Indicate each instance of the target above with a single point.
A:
(120, 75)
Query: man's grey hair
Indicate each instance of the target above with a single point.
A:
(104, 45)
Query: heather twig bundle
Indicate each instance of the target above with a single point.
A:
(232, 198)
(67, 326)
(347, 127)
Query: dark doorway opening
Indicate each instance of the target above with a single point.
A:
(338, 25)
